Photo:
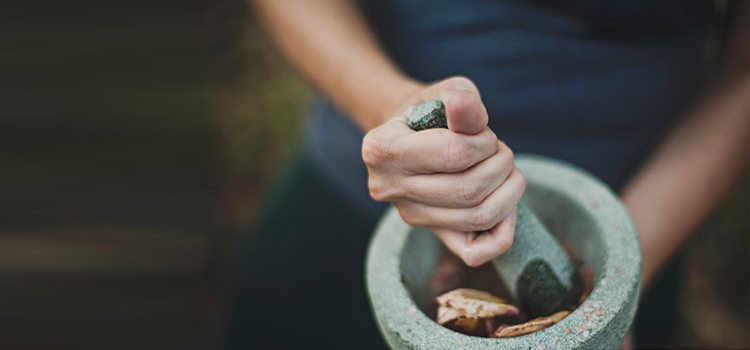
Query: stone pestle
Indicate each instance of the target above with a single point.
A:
(536, 270)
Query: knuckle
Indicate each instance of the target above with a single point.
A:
(375, 151)
(491, 134)
(483, 217)
(511, 155)
(408, 216)
(458, 154)
(382, 190)
(377, 190)
(521, 182)
(504, 166)
(473, 192)
(505, 241)
(471, 258)
(508, 157)
(490, 138)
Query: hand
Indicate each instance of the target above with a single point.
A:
(456, 181)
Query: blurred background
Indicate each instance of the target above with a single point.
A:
(106, 175)
(139, 139)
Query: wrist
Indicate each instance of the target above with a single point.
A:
(395, 96)
(384, 98)
(372, 93)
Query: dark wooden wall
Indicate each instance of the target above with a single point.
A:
(105, 176)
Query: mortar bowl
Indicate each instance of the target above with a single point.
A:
(578, 209)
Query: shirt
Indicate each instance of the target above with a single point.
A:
(593, 83)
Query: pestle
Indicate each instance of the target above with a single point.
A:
(536, 270)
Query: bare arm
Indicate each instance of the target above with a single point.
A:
(698, 163)
(330, 43)
(454, 181)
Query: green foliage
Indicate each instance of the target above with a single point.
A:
(258, 115)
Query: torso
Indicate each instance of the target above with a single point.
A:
(595, 83)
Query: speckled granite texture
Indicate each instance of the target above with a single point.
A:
(578, 209)
(536, 270)
(428, 115)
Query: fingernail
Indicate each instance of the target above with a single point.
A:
(512, 216)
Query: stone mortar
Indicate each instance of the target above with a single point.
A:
(577, 208)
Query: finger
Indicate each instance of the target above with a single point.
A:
(378, 145)
(446, 88)
(393, 128)
(463, 105)
(480, 217)
(442, 90)
(466, 113)
(462, 189)
(441, 150)
(478, 248)
(428, 151)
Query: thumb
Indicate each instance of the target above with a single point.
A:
(466, 113)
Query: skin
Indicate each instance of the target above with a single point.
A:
(454, 181)
(462, 180)
(697, 164)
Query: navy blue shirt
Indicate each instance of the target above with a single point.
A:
(594, 83)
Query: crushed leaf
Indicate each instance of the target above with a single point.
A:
(537, 324)
(471, 311)
(478, 313)
(558, 316)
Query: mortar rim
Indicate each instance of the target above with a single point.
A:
(391, 302)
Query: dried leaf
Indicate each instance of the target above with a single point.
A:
(472, 312)
(472, 302)
(468, 325)
(446, 314)
(537, 324)
(559, 315)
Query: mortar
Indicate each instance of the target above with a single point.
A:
(577, 208)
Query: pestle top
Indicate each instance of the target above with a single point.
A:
(428, 115)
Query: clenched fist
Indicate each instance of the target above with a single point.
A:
(459, 182)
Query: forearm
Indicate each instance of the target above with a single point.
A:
(689, 175)
(331, 44)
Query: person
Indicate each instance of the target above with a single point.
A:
(616, 88)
